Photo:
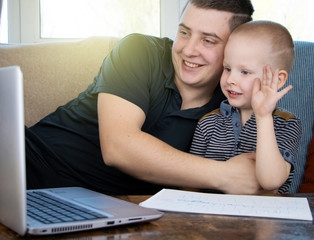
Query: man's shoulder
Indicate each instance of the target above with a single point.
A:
(146, 40)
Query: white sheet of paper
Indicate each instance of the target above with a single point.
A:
(226, 204)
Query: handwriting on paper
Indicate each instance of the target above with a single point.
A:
(224, 204)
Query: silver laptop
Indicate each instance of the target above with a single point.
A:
(70, 209)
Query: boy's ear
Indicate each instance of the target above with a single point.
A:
(283, 76)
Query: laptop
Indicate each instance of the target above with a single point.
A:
(69, 209)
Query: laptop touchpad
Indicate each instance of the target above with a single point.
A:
(101, 202)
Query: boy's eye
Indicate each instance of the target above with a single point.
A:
(227, 69)
(245, 72)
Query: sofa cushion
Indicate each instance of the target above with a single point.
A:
(300, 101)
(55, 73)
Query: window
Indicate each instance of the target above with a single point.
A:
(51, 20)
(295, 15)
(3, 22)
(40, 20)
(84, 18)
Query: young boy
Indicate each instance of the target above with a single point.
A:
(248, 120)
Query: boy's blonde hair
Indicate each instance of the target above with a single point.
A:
(277, 35)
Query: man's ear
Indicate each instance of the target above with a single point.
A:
(283, 76)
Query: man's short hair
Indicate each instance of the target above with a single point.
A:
(242, 9)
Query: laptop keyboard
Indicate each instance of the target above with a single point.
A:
(49, 209)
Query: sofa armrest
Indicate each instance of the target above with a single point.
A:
(55, 73)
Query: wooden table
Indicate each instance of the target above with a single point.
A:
(193, 226)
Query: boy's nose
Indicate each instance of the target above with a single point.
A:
(231, 80)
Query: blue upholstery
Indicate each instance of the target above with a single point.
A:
(300, 101)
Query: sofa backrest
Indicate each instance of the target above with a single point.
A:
(300, 100)
(55, 73)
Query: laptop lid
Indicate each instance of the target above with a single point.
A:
(13, 211)
(12, 173)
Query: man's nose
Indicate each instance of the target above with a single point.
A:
(191, 47)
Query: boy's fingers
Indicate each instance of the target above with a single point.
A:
(256, 85)
(284, 91)
(264, 80)
(275, 80)
(269, 75)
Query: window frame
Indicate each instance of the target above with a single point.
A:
(24, 20)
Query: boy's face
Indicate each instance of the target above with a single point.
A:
(197, 52)
(245, 57)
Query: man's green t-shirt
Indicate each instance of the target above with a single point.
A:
(140, 70)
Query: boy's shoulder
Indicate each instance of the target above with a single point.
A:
(210, 114)
(284, 114)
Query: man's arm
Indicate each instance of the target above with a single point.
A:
(126, 147)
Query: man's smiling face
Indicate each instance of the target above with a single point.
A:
(197, 52)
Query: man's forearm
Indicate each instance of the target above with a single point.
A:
(152, 160)
(145, 157)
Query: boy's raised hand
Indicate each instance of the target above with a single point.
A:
(265, 92)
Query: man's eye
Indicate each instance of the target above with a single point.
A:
(208, 41)
(183, 32)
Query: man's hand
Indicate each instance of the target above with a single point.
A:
(240, 177)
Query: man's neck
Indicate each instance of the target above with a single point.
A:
(195, 97)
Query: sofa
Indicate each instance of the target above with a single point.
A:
(55, 73)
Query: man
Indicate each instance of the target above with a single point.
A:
(128, 133)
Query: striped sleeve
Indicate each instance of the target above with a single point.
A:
(288, 133)
(198, 146)
(202, 134)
